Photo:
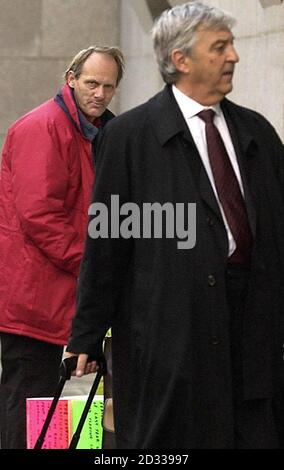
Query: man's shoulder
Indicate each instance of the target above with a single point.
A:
(250, 121)
(136, 117)
(130, 117)
(39, 116)
(243, 112)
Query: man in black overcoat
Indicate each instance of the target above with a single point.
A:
(196, 316)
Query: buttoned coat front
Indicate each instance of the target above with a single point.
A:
(167, 306)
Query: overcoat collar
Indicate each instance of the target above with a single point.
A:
(169, 121)
(166, 116)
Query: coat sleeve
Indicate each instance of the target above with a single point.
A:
(106, 260)
(39, 184)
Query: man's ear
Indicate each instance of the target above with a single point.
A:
(71, 79)
(180, 61)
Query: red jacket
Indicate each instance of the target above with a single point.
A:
(45, 188)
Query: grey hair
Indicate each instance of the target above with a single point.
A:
(176, 29)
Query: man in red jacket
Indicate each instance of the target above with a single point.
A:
(45, 188)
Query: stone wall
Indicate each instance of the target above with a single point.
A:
(259, 78)
(38, 39)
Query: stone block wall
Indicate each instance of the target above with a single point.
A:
(38, 39)
(259, 77)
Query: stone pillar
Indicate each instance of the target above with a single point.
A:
(142, 78)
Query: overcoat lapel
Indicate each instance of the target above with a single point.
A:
(244, 147)
(170, 123)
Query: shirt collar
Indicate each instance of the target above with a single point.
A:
(190, 107)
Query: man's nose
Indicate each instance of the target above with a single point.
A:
(233, 55)
(100, 92)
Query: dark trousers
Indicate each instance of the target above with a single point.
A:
(254, 420)
(29, 369)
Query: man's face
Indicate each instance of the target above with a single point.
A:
(96, 85)
(209, 70)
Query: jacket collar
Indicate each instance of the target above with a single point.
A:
(70, 103)
(65, 99)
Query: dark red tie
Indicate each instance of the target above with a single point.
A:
(228, 190)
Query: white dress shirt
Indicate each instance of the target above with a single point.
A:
(190, 108)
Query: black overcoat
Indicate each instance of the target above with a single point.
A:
(167, 306)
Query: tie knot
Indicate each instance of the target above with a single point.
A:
(207, 115)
